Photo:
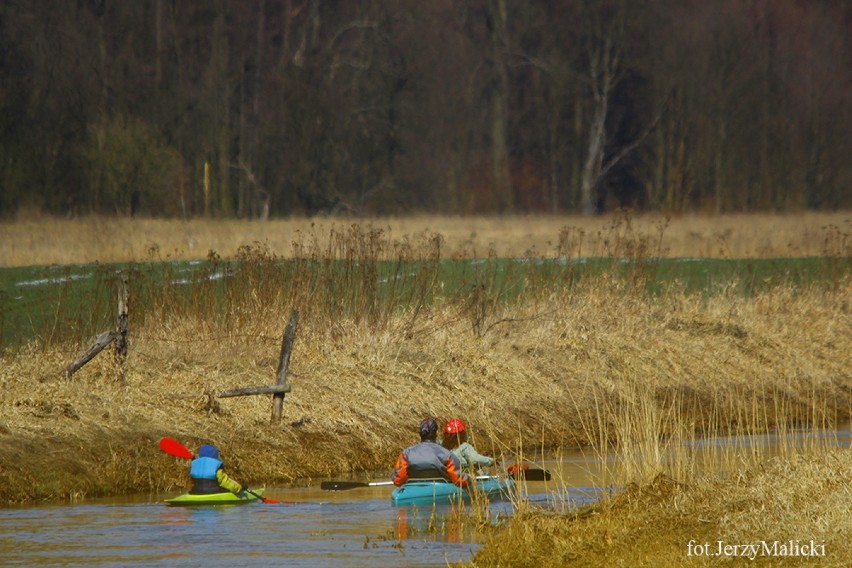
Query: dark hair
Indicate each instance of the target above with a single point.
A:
(428, 429)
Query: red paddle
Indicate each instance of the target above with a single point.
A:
(178, 450)
(175, 448)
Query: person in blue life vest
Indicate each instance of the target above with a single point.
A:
(208, 475)
(455, 440)
(429, 460)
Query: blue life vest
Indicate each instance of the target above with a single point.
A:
(204, 468)
(203, 473)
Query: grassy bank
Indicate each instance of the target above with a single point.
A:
(550, 371)
(598, 362)
(770, 515)
(53, 304)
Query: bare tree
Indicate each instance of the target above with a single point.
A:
(603, 47)
(499, 89)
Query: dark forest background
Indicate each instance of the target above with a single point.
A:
(256, 108)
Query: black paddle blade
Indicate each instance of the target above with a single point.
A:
(341, 485)
(529, 474)
(536, 475)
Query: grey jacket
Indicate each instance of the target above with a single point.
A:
(429, 460)
(469, 457)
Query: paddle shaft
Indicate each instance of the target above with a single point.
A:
(345, 485)
(264, 499)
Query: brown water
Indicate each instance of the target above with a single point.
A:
(353, 528)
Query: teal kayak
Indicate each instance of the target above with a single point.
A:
(439, 492)
(224, 498)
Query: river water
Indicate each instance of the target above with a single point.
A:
(359, 527)
(314, 528)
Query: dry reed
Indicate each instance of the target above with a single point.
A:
(42, 241)
(664, 522)
(543, 374)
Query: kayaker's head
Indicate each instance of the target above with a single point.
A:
(208, 451)
(455, 434)
(455, 426)
(428, 430)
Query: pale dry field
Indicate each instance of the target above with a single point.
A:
(40, 241)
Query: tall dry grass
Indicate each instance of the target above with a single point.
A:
(772, 478)
(41, 241)
(553, 370)
(594, 362)
(638, 432)
(662, 523)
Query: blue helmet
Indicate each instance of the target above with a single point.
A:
(208, 451)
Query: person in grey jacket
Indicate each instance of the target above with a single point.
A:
(429, 460)
(455, 440)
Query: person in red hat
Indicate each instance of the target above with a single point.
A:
(429, 460)
(455, 440)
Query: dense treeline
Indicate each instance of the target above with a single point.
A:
(279, 107)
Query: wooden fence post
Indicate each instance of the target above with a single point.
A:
(121, 330)
(283, 385)
(101, 342)
(119, 335)
(284, 363)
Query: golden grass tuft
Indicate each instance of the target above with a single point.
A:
(653, 524)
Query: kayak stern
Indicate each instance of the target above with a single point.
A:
(440, 492)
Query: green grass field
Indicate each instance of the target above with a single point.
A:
(75, 302)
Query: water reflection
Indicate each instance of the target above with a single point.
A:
(356, 533)
(412, 523)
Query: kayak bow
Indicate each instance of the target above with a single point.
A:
(224, 498)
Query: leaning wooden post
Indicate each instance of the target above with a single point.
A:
(107, 337)
(121, 330)
(283, 363)
(101, 342)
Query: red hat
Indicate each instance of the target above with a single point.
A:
(454, 426)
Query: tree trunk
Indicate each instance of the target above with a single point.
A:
(158, 38)
(254, 123)
(720, 191)
(500, 108)
(220, 97)
(603, 65)
(604, 42)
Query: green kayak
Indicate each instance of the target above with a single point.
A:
(224, 498)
